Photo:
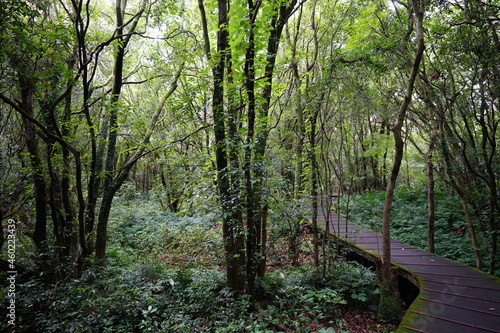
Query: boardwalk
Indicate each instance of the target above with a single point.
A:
(453, 297)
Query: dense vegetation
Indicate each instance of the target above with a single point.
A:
(165, 274)
(158, 157)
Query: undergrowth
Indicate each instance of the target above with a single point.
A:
(155, 297)
(165, 273)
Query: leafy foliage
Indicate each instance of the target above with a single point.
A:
(149, 296)
(341, 71)
(141, 228)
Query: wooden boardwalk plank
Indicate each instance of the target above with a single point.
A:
(453, 297)
(487, 304)
(449, 286)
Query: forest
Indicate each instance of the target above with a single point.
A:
(164, 163)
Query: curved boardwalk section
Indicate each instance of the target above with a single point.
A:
(453, 297)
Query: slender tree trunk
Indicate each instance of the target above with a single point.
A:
(386, 275)
(314, 186)
(109, 169)
(68, 209)
(86, 211)
(299, 110)
(399, 144)
(262, 263)
(472, 230)
(299, 129)
(236, 180)
(111, 185)
(39, 185)
(252, 199)
(37, 173)
(262, 129)
(488, 152)
(464, 200)
(430, 202)
(230, 226)
(226, 156)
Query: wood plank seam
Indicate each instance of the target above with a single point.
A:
(422, 315)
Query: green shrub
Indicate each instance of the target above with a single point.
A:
(143, 229)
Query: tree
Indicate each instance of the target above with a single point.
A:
(459, 98)
(248, 37)
(37, 96)
(113, 182)
(386, 277)
(67, 135)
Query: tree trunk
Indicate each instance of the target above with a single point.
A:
(488, 151)
(230, 223)
(109, 169)
(111, 185)
(430, 201)
(386, 274)
(39, 185)
(252, 199)
(314, 187)
(472, 230)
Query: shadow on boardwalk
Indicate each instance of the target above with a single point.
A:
(453, 298)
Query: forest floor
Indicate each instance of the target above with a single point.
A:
(364, 322)
(354, 318)
(165, 273)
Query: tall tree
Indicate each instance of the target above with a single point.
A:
(386, 277)
(460, 103)
(241, 55)
(111, 185)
